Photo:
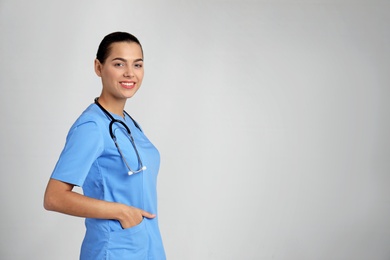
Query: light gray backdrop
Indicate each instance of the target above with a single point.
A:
(272, 118)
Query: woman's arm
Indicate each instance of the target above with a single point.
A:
(60, 197)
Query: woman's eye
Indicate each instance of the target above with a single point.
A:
(138, 65)
(119, 64)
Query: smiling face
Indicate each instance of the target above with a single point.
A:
(121, 72)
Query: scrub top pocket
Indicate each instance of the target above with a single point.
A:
(130, 243)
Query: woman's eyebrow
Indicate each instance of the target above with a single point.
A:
(121, 59)
(124, 60)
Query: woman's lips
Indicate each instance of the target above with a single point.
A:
(127, 84)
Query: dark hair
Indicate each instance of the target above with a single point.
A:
(105, 45)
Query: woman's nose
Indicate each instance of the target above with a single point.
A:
(128, 72)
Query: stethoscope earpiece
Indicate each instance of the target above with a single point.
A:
(131, 172)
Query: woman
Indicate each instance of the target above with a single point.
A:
(107, 154)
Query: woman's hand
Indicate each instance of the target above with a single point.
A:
(59, 196)
(132, 216)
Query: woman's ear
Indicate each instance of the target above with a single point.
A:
(98, 68)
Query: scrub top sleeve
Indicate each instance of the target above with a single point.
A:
(83, 146)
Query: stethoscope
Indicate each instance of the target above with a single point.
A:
(113, 121)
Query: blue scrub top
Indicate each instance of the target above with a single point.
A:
(91, 160)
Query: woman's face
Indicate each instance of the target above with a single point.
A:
(122, 72)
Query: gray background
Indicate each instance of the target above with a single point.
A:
(272, 118)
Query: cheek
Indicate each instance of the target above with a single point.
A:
(111, 74)
(140, 76)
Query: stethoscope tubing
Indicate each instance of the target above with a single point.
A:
(113, 137)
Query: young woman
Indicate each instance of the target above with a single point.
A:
(108, 155)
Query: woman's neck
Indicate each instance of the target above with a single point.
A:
(112, 105)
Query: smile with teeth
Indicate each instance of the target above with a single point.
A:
(127, 84)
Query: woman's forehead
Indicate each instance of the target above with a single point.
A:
(125, 49)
